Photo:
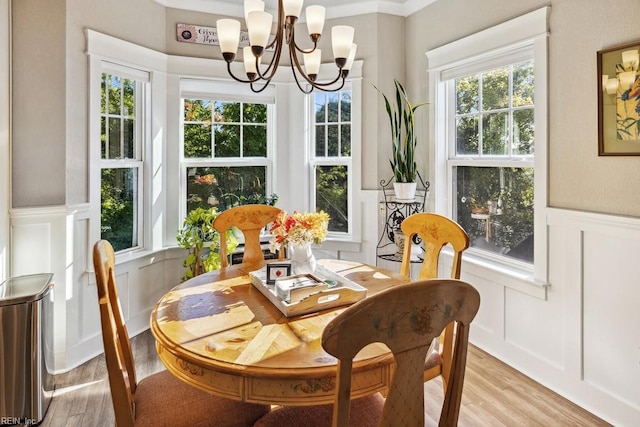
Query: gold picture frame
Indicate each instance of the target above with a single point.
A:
(619, 100)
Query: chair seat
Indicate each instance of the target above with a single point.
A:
(163, 400)
(365, 412)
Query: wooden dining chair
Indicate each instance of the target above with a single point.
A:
(159, 399)
(251, 220)
(406, 318)
(436, 232)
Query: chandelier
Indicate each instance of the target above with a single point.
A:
(259, 25)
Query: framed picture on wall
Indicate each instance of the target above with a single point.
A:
(619, 101)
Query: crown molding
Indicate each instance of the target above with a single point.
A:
(335, 9)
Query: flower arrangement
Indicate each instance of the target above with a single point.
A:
(298, 228)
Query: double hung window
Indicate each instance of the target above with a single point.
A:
(121, 154)
(491, 159)
(331, 159)
(225, 147)
(489, 92)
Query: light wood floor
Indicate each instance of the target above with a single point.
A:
(494, 395)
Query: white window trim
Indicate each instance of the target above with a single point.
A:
(529, 30)
(340, 241)
(233, 92)
(142, 101)
(109, 54)
(332, 161)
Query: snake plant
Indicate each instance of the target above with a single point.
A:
(402, 120)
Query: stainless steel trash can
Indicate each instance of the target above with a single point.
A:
(26, 349)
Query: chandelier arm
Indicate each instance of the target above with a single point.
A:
(299, 49)
(250, 81)
(266, 83)
(295, 65)
(295, 77)
(326, 84)
(280, 26)
(271, 69)
(290, 28)
(238, 79)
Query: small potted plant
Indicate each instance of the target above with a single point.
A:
(201, 239)
(402, 121)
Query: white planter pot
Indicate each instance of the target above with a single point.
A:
(405, 191)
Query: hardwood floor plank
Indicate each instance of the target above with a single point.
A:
(494, 395)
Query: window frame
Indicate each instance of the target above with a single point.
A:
(528, 32)
(484, 160)
(106, 52)
(351, 240)
(137, 162)
(315, 161)
(191, 88)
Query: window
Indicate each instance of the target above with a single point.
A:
(491, 158)
(489, 150)
(331, 157)
(121, 154)
(225, 150)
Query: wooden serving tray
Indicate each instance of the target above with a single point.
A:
(332, 291)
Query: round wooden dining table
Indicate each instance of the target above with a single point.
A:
(219, 333)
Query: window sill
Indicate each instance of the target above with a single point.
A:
(341, 244)
(509, 276)
(152, 254)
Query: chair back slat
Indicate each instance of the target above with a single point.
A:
(117, 346)
(406, 318)
(251, 220)
(436, 231)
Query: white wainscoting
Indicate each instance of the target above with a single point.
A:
(582, 339)
(55, 239)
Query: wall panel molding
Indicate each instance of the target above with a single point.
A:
(577, 342)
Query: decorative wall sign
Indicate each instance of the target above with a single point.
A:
(188, 33)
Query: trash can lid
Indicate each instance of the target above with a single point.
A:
(23, 289)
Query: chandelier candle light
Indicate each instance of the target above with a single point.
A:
(259, 25)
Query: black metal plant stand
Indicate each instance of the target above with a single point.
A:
(394, 213)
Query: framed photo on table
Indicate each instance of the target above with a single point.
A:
(277, 270)
(619, 101)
